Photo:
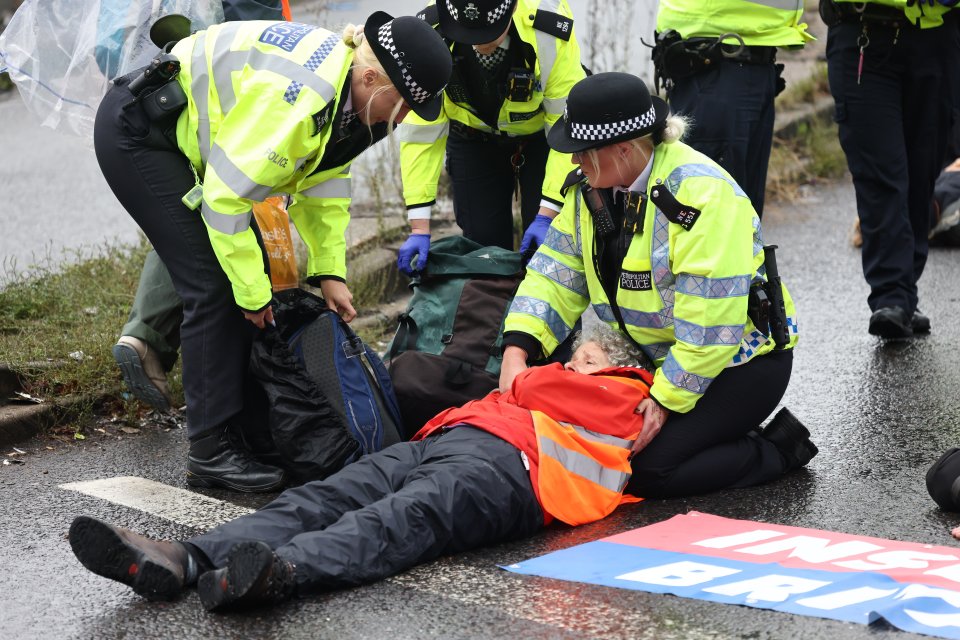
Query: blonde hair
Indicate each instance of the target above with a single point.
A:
(365, 58)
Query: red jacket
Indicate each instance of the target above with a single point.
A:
(570, 422)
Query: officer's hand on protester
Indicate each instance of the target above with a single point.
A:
(338, 298)
(514, 361)
(260, 318)
(417, 246)
(535, 233)
(653, 418)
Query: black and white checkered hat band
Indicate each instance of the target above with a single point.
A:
(385, 36)
(609, 130)
(452, 9)
(497, 13)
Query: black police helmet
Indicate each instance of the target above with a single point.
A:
(415, 58)
(605, 108)
(474, 21)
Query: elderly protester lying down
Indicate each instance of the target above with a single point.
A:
(556, 445)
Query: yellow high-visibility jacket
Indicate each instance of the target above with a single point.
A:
(918, 13)
(261, 101)
(761, 23)
(557, 69)
(682, 294)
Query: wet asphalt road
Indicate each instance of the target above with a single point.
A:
(879, 413)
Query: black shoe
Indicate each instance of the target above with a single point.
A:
(216, 461)
(156, 570)
(254, 576)
(791, 438)
(919, 322)
(891, 323)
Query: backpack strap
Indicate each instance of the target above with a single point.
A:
(405, 339)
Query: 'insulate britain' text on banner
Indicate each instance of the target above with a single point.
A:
(915, 587)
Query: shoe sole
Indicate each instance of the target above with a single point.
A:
(225, 588)
(136, 379)
(213, 482)
(101, 550)
(889, 330)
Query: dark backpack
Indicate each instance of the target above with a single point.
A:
(446, 350)
(329, 396)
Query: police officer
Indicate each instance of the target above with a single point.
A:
(514, 63)
(892, 65)
(229, 116)
(718, 61)
(667, 248)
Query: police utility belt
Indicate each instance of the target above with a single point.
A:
(833, 13)
(675, 57)
(156, 90)
(466, 132)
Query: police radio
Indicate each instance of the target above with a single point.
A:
(600, 205)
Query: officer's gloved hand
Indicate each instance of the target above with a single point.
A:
(416, 247)
(534, 235)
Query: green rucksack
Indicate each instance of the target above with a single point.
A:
(446, 350)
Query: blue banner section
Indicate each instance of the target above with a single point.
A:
(861, 597)
(285, 35)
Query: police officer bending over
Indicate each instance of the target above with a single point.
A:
(514, 64)
(667, 248)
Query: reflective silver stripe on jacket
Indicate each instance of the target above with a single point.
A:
(555, 106)
(602, 438)
(784, 5)
(232, 176)
(200, 91)
(228, 223)
(423, 133)
(546, 45)
(584, 466)
(332, 188)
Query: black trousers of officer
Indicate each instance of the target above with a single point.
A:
(391, 510)
(716, 444)
(894, 121)
(732, 107)
(483, 180)
(149, 178)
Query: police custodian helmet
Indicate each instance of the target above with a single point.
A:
(415, 58)
(474, 21)
(605, 108)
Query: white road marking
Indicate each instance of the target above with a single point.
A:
(174, 504)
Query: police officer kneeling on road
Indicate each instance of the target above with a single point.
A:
(514, 64)
(667, 248)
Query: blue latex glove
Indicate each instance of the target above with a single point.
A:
(417, 246)
(535, 233)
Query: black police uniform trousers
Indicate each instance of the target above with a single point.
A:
(732, 107)
(483, 181)
(149, 177)
(894, 122)
(717, 445)
(408, 504)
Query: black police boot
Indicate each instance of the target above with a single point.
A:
(216, 460)
(891, 323)
(254, 576)
(920, 323)
(791, 438)
(156, 570)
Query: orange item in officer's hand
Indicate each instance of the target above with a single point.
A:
(274, 223)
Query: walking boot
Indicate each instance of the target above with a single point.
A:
(254, 576)
(791, 438)
(142, 372)
(920, 323)
(154, 569)
(217, 460)
(891, 323)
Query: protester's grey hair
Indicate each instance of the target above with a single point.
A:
(619, 349)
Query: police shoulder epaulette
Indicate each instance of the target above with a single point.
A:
(684, 215)
(430, 15)
(557, 25)
(322, 117)
(574, 177)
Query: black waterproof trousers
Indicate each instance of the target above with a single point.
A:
(894, 110)
(149, 177)
(732, 111)
(391, 510)
(716, 445)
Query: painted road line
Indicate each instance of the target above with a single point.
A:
(172, 503)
